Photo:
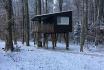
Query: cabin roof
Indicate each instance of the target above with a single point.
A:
(45, 16)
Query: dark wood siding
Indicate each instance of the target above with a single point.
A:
(49, 24)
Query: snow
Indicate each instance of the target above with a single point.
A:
(32, 58)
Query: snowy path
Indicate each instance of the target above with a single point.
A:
(30, 58)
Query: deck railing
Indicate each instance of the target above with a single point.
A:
(44, 28)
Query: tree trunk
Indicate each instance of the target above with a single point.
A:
(38, 12)
(26, 21)
(14, 27)
(60, 5)
(9, 10)
(23, 26)
(84, 26)
(60, 9)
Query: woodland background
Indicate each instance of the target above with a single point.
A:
(16, 15)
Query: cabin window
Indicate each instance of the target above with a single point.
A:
(62, 20)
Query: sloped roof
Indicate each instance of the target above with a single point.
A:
(44, 16)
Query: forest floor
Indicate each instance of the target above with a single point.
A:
(31, 58)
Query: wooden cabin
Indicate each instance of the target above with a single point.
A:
(54, 24)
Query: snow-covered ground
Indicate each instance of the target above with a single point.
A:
(31, 58)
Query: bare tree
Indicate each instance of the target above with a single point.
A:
(38, 12)
(60, 5)
(23, 24)
(84, 25)
(26, 21)
(9, 10)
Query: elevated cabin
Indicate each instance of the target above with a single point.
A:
(54, 23)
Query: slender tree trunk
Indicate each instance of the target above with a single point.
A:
(23, 26)
(60, 9)
(35, 34)
(38, 12)
(14, 33)
(27, 24)
(60, 5)
(14, 27)
(84, 26)
(46, 6)
(99, 10)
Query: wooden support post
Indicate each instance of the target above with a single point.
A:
(45, 41)
(66, 37)
(54, 40)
